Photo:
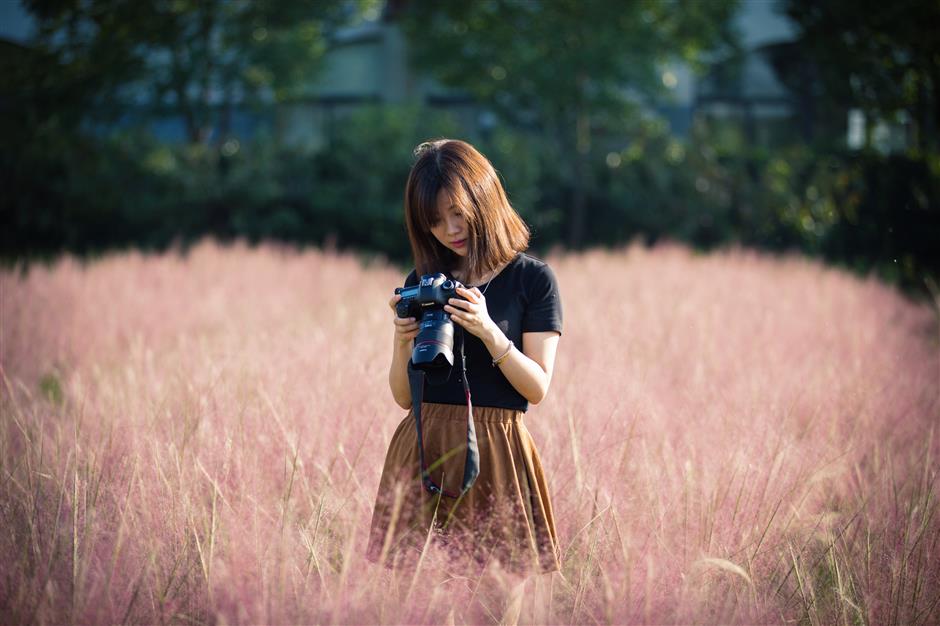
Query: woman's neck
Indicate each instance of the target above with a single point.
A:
(460, 273)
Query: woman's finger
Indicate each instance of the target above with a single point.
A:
(466, 293)
(477, 295)
(463, 304)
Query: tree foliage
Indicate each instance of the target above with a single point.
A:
(883, 58)
(193, 58)
(570, 68)
(584, 156)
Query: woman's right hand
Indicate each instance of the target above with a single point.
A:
(406, 328)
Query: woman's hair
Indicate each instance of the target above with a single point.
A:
(496, 232)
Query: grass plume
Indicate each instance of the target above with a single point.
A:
(729, 438)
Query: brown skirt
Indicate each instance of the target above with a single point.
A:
(505, 516)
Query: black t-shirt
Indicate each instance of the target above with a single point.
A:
(523, 297)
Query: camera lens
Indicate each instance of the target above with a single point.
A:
(434, 345)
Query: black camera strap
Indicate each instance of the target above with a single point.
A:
(471, 467)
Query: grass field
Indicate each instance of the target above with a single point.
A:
(729, 438)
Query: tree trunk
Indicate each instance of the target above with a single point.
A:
(581, 171)
(807, 103)
(206, 31)
(933, 105)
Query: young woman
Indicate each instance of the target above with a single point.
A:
(460, 223)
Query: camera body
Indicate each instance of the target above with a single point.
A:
(434, 345)
(432, 290)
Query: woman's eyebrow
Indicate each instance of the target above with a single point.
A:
(437, 213)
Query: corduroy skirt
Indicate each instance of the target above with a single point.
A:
(506, 516)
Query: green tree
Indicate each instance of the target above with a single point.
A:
(70, 185)
(194, 58)
(566, 67)
(881, 57)
(870, 209)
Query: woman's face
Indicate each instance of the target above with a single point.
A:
(451, 227)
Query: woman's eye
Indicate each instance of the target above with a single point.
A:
(437, 220)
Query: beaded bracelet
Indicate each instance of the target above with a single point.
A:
(503, 356)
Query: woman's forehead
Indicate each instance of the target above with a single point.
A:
(444, 200)
(447, 201)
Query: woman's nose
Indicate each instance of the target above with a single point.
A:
(453, 225)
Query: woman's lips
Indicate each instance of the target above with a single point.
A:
(459, 243)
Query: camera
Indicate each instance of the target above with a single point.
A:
(434, 345)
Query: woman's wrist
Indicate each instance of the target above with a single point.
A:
(496, 341)
(403, 347)
(502, 357)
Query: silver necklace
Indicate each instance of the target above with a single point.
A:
(487, 284)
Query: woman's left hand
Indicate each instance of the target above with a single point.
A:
(471, 313)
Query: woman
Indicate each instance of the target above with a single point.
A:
(460, 223)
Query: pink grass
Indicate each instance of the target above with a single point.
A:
(728, 438)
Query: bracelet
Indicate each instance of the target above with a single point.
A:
(503, 356)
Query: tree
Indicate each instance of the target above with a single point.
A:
(194, 58)
(881, 57)
(566, 67)
(91, 63)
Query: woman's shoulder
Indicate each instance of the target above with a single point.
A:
(527, 259)
(530, 266)
(541, 299)
(532, 275)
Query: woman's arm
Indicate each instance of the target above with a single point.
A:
(528, 370)
(406, 329)
(398, 375)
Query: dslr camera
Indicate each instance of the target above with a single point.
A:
(434, 345)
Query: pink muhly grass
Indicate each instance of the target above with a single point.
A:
(729, 438)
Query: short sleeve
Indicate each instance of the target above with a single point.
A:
(412, 279)
(543, 302)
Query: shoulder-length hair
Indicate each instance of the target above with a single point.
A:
(496, 233)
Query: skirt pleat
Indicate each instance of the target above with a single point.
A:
(506, 516)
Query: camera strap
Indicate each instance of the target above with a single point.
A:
(471, 467)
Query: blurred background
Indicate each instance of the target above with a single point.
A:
(787, 125)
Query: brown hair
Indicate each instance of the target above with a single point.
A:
(496, 232)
